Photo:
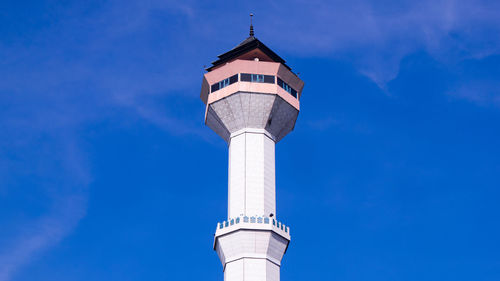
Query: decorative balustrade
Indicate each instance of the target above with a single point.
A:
(256, 220)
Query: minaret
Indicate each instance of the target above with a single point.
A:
(252, 102)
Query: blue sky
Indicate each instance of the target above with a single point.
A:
(107, 171)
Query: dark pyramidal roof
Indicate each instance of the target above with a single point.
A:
(244, 47)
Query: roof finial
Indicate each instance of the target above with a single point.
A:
(251, 26)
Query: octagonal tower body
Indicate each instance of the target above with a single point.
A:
(252, 102)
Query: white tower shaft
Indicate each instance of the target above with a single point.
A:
(251, 181)
(251, 243)
(252, 269)
(252, 102)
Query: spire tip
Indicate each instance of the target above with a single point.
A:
(251, 25)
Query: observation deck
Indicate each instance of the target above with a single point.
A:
(251, 94)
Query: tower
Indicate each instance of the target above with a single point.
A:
(252, 102)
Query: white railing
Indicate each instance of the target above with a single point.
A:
(256, 220)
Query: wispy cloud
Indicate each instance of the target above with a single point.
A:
(42, 234)
(88, 75)
(372, 35)
(64, 81)
(375, 35)
(481, 92)
(67, 200)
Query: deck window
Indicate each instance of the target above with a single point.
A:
(287, 88)
(224, 83)
(257, 78)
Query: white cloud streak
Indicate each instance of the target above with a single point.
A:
(376, 35)
(51, 90)
(42, 234)
(67, 191)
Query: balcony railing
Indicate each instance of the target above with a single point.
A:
(256, 220)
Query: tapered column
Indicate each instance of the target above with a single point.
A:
(251, 269)
(251, 174)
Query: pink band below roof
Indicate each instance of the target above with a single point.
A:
(254, 67)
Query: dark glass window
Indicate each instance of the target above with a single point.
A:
(246, 77)
(224, 83)
(269, 79)
(280, 82)
(214, 87)
(258, 78)
(233, 79)
(287, 88)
